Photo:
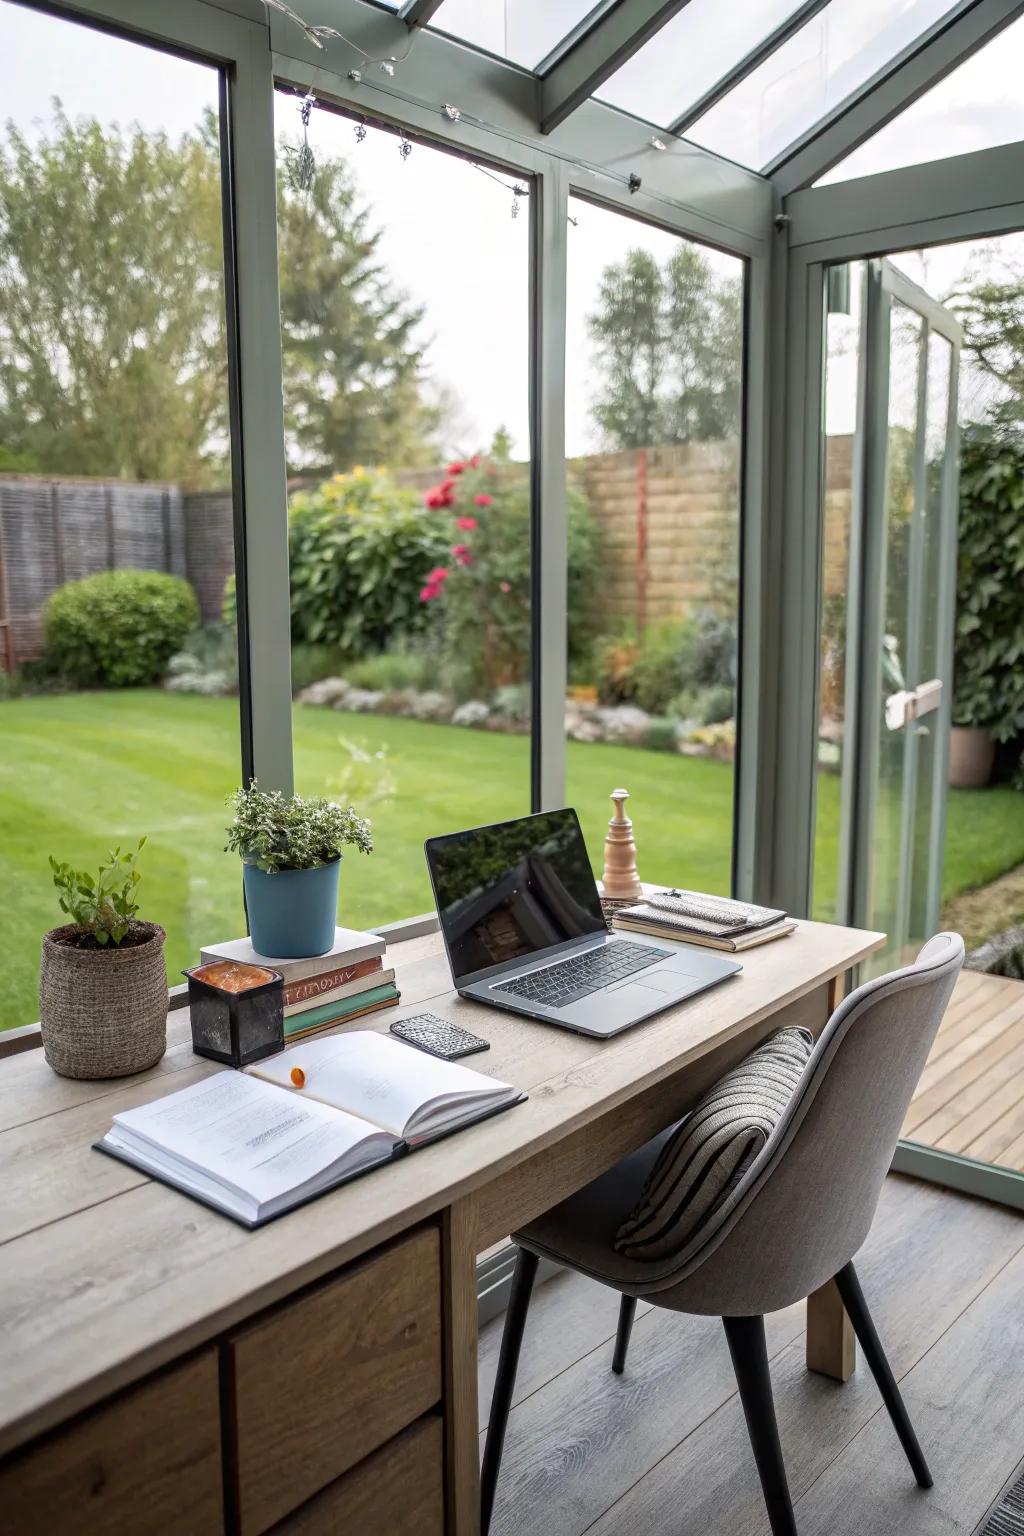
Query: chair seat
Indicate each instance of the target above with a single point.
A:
(580, 1232)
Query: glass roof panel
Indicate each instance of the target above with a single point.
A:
(524, 31)
(689, 54)
(978, 106)
(831, 56)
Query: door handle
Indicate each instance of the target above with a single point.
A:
(911, 704)
(899, 708)
(927, 696)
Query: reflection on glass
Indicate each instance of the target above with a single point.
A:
(688, 55)
(514, 889)
(831, 56)
(976, 107)
(653, 399)
(524, 31)
(118, 714)
(888, 875)
(405, 339)
(929, 665)
(845, 289)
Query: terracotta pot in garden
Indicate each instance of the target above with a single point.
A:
(103, 1011)
(971, 755)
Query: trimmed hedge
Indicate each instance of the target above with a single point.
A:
(118, 629)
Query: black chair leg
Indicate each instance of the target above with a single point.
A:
(505, 1382)
(857, 1311)
(750, 1362)
(627, 1312)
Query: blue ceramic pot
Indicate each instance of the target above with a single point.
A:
(292, 912)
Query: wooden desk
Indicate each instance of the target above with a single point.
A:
(330, 1355)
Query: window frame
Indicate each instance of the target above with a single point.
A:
(598, 153)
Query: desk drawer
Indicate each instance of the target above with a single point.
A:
(324, 1381)
(147, 1464)
(398, 1491)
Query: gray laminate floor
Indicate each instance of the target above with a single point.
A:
(662, 1450)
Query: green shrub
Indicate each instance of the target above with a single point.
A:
(359, 546)
(989, 660)
(615, 657)
(312, 663)
(662, 666)
(481, 587)
(392, 671)
(705, 706)
(118, 629)
(718, 704)
(660, 735)
(711, 658)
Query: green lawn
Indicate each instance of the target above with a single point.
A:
(79, 772)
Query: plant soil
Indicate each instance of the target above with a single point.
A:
(138, 933)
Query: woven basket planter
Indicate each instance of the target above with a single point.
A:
(103, 1012)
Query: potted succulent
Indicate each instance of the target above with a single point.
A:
(102, 981)
(291, 855)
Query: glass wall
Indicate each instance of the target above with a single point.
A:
(118, 678)
(405, 307)
(843, 324)
(653, 405)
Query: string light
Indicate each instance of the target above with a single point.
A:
(632, 181)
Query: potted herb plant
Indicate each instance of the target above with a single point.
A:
(102, 982)
(291, 855)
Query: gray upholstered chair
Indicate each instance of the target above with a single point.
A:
(793, 1221)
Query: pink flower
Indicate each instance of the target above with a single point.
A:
(427, 593)
(483, 500)
(455, 469)
(462, 554)
(505, 586)
(467, 524)
(438, 575)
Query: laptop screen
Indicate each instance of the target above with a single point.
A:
(512, 890)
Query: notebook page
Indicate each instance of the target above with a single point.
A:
(380, 1079)
(248, 1135)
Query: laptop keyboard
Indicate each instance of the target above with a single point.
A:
(569, 980)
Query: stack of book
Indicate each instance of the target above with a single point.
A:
(712, 921)
(348, 981)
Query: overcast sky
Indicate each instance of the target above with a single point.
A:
(447, 235)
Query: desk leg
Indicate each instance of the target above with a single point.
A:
(831, 1345)
(461, 1433)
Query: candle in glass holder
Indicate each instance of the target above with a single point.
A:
(237, 1011)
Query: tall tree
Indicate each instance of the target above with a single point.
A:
(991, 310)
(112, 349)
(353, 361)
(669, 343)
(113, 353)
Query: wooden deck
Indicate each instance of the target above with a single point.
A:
(663, 1450)
(971, 1095)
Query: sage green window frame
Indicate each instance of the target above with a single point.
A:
(596, 151)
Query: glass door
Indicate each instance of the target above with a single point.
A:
(903, 527)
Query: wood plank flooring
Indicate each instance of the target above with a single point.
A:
(663, 1450)
(971, 1095)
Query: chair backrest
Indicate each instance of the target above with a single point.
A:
(806, 1204)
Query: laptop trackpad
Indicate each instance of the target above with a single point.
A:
(657, 981)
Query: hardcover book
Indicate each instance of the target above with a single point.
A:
(255, 1144)
(350, 947)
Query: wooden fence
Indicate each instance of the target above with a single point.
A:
(668, 517)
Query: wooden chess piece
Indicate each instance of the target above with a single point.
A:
(620, 879)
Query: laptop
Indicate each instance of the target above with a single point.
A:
(524, 930)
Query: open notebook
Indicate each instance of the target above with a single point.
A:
(253, 1145)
